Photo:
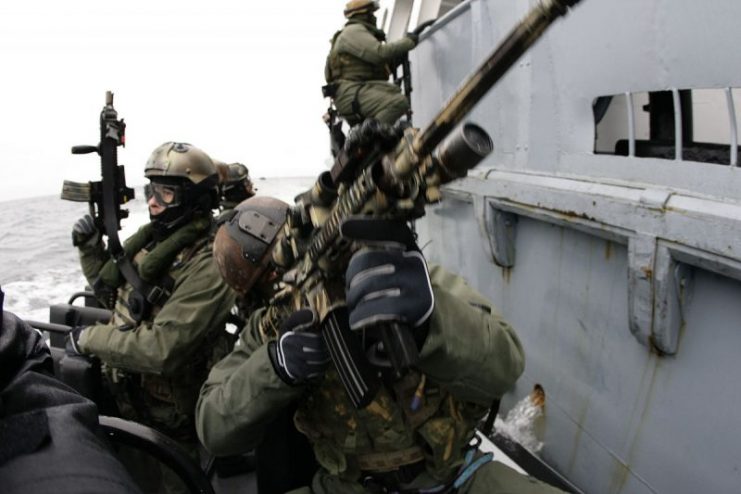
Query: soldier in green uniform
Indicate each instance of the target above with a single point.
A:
(235, 184)
(50, 439)
(359, 64)
(156, 354)
(416, 434)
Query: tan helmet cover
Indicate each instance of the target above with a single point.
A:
(243, 244)
(237, 172)
(232, 173)
(179, 159)
(354, 7)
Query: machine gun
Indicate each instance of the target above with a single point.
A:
(105, 198)
(368, 180)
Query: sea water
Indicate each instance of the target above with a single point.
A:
(39, 266)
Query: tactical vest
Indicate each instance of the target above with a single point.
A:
(392, 431)
(343, 66)
(167, 402)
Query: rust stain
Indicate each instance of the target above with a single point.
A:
(574, 214)
(682, 328)
(653, 347)
(506, 274)
(568, 213)
(619, 476)
(537, 396)
(580, 417)
(647, 272)
(608, 250)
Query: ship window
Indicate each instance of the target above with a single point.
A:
(612, 116)
(680, 124)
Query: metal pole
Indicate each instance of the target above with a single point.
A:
(734, 131)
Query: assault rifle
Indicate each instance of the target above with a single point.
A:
(107, 195)
(365, 180)
(105, 198)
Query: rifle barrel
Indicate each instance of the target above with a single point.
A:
(519, 40)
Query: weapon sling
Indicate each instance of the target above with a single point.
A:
(108, 195)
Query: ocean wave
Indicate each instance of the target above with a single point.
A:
(39, 265)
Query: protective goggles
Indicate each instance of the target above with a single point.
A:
(165, 195)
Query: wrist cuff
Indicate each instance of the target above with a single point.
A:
(273, 356)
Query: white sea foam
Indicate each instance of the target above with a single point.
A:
(520, 424)
(31, 298)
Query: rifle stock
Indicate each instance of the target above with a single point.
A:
(396, 185)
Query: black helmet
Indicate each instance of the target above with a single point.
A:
(244, 243)
(184, 180)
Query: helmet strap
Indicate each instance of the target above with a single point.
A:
(170, 220)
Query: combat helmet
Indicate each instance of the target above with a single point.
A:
(235, 184)
(184, 180)
(356, 7)
(244, 243)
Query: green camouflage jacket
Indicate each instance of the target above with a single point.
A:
(360, 63)
(156, 367)
(357, 54)
(470, 357)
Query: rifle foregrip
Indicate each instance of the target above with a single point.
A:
(84, 149)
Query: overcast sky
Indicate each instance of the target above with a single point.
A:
(239, 79)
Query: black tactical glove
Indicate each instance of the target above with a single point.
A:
(414, 37)
(85, 231)
(300, 354)
(386, 281)
(418, 30)
(72, 346)
(372, 132)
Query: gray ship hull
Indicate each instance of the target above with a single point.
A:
(620, 269)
